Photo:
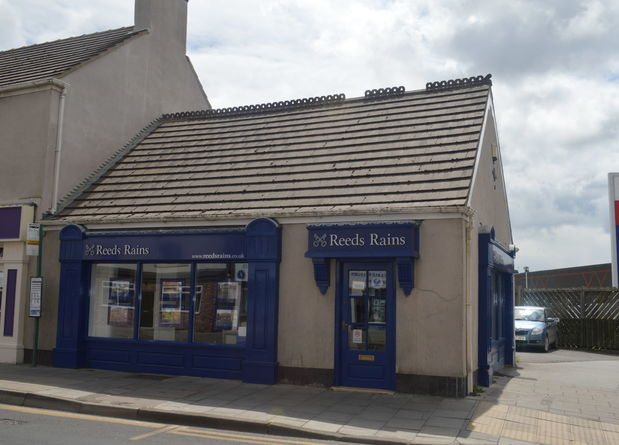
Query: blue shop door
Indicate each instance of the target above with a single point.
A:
(366, 356)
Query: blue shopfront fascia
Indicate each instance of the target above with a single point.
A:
(258, 244)
(378, 240)
(494, 259)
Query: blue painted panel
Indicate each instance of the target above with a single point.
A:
(160, 358)
(260, 365)
(263, 240)
(201, 246)
(71, 329)
(363, 240)
(322, 273)
(10, 222)
(9, 307)
(259, 329)
(366, 372)
(214, 362)
(109, 355)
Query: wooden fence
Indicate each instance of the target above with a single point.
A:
(589, 316)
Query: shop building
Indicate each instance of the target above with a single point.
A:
(360, 242)
(14, 266)
(66, 107)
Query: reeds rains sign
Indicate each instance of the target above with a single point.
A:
(358, 240)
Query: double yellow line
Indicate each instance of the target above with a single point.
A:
(161, 428)
(246, 438)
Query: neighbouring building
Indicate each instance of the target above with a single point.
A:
(360, 242)
(65, 108)
(595, 275)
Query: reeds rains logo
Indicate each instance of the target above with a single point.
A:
(115, 250)
(320, 240)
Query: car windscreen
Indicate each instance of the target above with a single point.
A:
(529, 314)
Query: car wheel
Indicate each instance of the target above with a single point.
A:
(546, 343)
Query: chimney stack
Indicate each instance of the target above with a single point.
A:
(166, 20)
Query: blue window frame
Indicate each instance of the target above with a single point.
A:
(257, 248)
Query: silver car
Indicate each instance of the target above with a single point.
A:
(533, 327)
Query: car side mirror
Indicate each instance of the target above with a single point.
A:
(552, 320)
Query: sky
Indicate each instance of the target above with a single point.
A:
(554, 66)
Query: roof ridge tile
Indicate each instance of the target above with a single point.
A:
(464, 82)
(282, 105)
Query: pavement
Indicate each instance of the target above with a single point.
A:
(526, 405)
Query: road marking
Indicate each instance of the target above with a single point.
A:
(166, 429)
(91, 417)
(184, 431)
(161, 427)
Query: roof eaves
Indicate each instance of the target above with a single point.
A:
(31, 86)
(169, 219)
(51, 42)
(478, 151)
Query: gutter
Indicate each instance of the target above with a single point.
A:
(34, 85)
(469, 366)
(379, 214)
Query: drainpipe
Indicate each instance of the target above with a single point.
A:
(58, 150)
(468, 359)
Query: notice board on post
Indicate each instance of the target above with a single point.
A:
(36, 291)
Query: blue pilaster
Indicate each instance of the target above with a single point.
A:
(70, 351)
(494, 353)
(484, 320)
(263, 255)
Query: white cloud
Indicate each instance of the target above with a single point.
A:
(572, 244)
(10, 26)
(555, 67)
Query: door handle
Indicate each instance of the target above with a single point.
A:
(344, 325)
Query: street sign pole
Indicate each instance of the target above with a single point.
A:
(36, 293)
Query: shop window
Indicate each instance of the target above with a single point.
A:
(112, 300)
(164, 304)
(497, 306)
(220, 303)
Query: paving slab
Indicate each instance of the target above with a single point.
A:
(518, 409)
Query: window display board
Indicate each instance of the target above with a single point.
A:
(119, 302)
(228, 300)
(171, 303)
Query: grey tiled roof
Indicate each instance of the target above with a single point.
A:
(364, 155)
(52, 59)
